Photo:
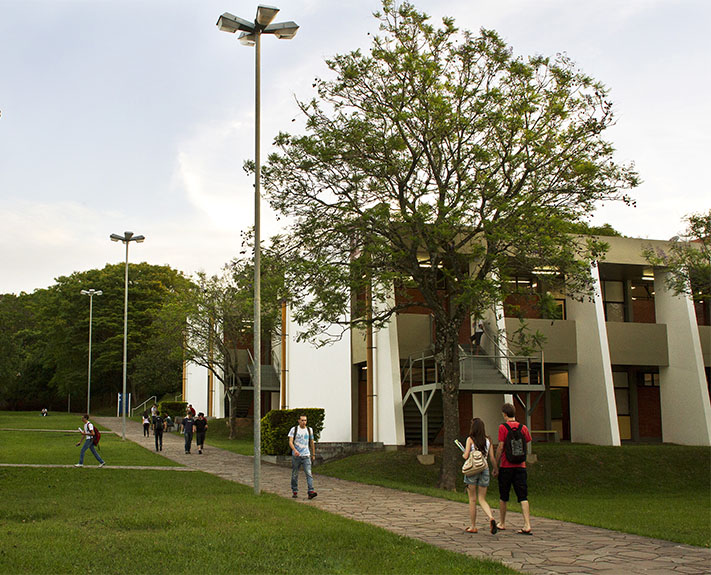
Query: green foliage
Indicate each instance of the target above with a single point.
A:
(176, 409)
(433, 163)
(45, 338)
(277, 423)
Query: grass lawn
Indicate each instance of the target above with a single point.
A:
(660, 491)
(59, 448)
(218, 433)
(129, 521)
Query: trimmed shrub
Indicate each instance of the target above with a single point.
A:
(176, 409)
(277, 423)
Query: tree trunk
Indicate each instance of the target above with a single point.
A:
(448, 366)
(233, 412)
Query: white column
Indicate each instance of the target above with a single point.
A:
(390, 424)
(593, 414)
(683, 391)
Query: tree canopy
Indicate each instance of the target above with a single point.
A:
(47, 333)
(438, 161)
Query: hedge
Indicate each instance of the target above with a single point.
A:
(176, 409)
(277, 423)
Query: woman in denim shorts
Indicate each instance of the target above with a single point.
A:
(478, 484)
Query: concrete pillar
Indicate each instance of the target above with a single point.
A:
(389, 422)
(487, 407)
(683, 392)
(593, 414)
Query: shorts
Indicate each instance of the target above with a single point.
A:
(480, 479)
(517, 477)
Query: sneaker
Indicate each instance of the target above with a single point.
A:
(312, 494)
(102, 464)
(294, 495)
(199, 451)
(78, 465)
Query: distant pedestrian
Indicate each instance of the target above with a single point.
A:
(158, 427)
(88, 432)
(191, 410)
(154, 410)
(188, 425)
(146, 425)
(478, 333)
(301, 442)
(513, 437)
(200, 430)
(44, 412)
(478, 440)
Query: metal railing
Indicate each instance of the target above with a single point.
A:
(133, 410)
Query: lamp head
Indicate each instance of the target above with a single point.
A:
(231, 23)
(139, 239)
(283, 30)
(116, 238)
(265, 15)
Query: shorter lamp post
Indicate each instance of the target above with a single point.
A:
(126, 238)
(91, 293)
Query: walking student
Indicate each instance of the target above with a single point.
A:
(479, 483)
(188, 425)
(511, 455)
(146, 425)
(301, 442)
(200, 429)
(88, 432)
(158, 428)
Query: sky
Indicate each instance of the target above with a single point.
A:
(137, 115)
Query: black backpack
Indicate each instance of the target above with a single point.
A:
(157, 425)
(515, 444)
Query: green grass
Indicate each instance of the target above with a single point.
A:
(658, 491)
(218, 433)
(59, 448)
(128, 521)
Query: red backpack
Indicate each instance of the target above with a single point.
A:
(97, 435)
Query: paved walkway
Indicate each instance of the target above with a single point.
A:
(555, 547)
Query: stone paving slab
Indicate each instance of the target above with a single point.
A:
(556, 547)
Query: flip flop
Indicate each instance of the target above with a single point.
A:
(470, 530)
(522, 532)
(494, 527)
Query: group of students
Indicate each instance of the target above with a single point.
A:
(510, 474)
(190, 426)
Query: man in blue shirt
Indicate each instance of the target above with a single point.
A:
(301, 442)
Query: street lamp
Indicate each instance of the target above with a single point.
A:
(126, 238)
(91, 293)
(251, 33)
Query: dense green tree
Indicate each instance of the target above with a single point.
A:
(220, 312)
(51, 328)
(437, 161)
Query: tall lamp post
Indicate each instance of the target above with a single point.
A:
(126, 238)
(91, 293)
(251, 33)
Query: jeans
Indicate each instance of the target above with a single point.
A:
(159, 440)
(297, 462)
(89, 444)
(188, 440)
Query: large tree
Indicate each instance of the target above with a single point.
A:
(437, 161)
(220, 312)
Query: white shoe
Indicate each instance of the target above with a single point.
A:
(78, 465)
(102, 464)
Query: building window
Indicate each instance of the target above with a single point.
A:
(613, 297)
(650, 379)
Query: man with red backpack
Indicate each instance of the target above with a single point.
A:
(511, 455)
(91, 439)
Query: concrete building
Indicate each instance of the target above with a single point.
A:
(631, 363)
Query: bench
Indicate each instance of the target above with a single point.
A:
(553, 432)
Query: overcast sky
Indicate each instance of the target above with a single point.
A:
(138, 115)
